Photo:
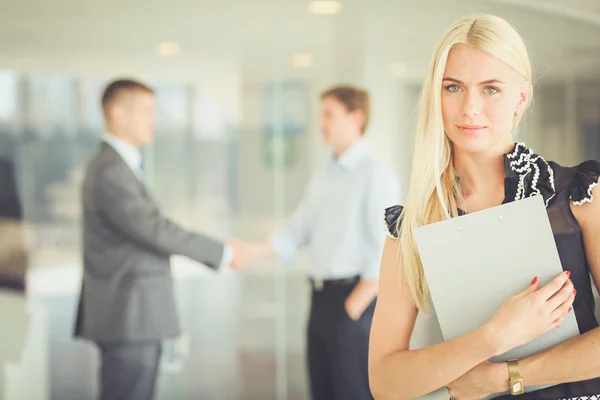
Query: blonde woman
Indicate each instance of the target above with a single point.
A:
(476, 90)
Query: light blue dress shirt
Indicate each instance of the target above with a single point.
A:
(133, 158)
(340, 217)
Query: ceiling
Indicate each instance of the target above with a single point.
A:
(579, 10)
(259, 37)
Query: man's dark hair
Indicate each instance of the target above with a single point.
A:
(352, 98)
(117, 87)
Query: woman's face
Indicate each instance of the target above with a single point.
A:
(480, 95)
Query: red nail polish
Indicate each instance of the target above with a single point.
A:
(570, 308)
(574, 291)
(534, 280)
(568, 273)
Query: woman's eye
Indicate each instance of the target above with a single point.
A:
(491, 90)
(453, 88)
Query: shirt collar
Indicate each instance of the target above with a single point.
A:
(351, 157)
(128, 153)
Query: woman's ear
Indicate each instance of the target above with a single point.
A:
(525, 93)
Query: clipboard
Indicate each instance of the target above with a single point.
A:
(475, 262)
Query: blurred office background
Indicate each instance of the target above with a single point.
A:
(238, 84)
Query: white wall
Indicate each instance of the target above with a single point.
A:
(233, 62)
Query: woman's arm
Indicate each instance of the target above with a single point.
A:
(398, 373)
(395, 372)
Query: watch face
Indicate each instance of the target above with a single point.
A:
(517, 387)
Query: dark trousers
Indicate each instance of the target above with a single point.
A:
(338, 346)
(128, 371)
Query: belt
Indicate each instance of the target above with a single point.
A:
(320, 284)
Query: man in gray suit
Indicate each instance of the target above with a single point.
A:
(127, 306)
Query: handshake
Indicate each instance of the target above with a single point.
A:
(244, 252)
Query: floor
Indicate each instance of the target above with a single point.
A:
(236, 324)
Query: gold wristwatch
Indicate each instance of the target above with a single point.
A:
(514, 378)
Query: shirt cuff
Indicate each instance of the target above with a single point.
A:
(227, 257)
(284, 248)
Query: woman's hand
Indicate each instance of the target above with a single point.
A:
(531, 313)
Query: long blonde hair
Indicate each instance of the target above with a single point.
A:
(433, 193)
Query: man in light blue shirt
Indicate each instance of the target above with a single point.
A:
(340, 221)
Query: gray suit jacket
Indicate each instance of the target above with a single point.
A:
(127, 289)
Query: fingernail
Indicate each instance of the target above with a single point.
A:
(534, 280)
(568, 273)
(574, 291)
(570, 308)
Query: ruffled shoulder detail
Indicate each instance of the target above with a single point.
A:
(392, 219)
(586, 177)
(528, 174)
